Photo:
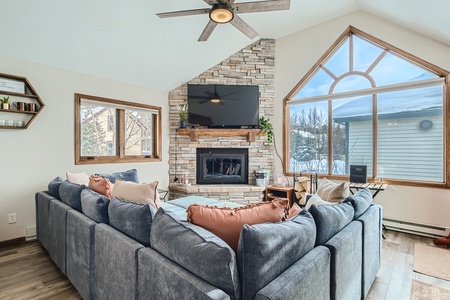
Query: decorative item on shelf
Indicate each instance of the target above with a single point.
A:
(267, 127)
(279, 180)
(20, 106)
(5, 104)
(183, 115)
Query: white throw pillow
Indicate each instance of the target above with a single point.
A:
(315, 199)
(79, 178)
(333, 192)
(129, 191)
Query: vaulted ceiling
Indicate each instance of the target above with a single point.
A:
(126, 41)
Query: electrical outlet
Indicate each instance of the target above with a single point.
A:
(12, 218)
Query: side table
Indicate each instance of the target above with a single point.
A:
(273, 191)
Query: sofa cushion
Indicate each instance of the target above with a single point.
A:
(330, 219)
(129, 175)
(267, 250)
(361, 201)
(80, 178)
(95, 206)
(144, 193)
(331, 191)
(315, 199)
(227, 222)
(197, 250)
(71, 194)
(53, 187)
(101, 185)
(133, 219)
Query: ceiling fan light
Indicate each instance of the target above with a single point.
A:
(215, 100)
(221, 13)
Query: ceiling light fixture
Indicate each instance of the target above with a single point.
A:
(215, 100)
(221, 13)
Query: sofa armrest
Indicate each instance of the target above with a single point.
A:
(312, 268)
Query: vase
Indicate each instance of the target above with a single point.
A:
(182, 124)
(5, 105)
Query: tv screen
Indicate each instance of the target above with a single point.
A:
(223, 106)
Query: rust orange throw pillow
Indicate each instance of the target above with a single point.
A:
(227, 222)
(101, 185)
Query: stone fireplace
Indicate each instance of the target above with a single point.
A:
(253, 65)
(222, 165)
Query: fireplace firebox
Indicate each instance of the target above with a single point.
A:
(222, 166)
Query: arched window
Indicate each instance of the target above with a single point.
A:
(367, 103)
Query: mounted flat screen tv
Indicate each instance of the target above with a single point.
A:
(223, 106)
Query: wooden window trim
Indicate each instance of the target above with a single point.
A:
(120, 123)
(404, 55)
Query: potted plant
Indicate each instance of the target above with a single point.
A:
(266, 126)
(183, 115)
(5, 104)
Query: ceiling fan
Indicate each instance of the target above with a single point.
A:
(213, 97)
(225, 11)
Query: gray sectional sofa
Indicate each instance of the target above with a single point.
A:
(110, 249)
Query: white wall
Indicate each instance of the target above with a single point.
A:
(297, 53)
(31, 158)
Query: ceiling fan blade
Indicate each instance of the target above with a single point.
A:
(207, 31)
(200, 11)
(260, 6)
(211, 2)
(244, 27)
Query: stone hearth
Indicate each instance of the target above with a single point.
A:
(239, 193)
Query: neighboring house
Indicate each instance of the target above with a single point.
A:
(410, 129)
(138, 135)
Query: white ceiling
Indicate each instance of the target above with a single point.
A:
(126, 41)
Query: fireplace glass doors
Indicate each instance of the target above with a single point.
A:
(222, 165)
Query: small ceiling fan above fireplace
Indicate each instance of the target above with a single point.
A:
(226, 11)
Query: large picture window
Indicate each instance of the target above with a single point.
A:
(109, 131)
(368, 103)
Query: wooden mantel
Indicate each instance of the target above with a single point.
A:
(196, 132)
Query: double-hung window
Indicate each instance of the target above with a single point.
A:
(110, 131)
(368, 103)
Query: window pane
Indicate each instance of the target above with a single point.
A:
(392, 69)
(138, 132)
(339, 62)
(352, 134)
(351, 83)
(364, 54)
(308, 137)
(319, 84)
(97, 137)
(410, 135)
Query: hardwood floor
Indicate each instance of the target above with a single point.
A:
(27, 272)
(393, 281)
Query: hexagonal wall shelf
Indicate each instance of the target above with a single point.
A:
(24, 102)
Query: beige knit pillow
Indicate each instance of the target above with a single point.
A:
(79, 178)
(129, 191)
(333, 192)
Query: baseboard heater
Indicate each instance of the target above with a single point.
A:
(415, 228)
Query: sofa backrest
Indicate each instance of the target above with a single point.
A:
(267, 250)
(330, 219)
(197, 250)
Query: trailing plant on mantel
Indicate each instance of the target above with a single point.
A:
(267, 127)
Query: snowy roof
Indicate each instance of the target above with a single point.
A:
(392, 105)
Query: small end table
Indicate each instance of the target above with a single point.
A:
(273, 191)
